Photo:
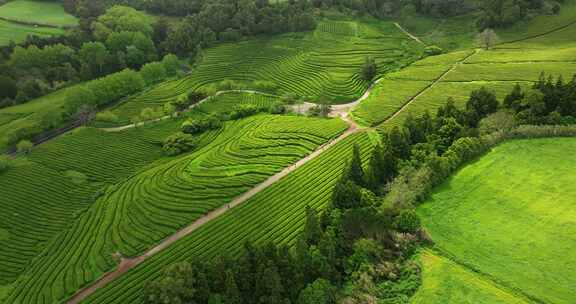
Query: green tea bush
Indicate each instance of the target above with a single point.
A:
(178, 143)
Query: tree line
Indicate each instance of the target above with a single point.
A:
(113, 38)
(358, 249)
(492, 13)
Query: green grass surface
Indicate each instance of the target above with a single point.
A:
(28, 114)
(274, 215)
(37, 12)
(10, 31)
(444, 281)
(510, 216)
(142, 210)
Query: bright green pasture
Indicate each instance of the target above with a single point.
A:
(273, 215)
(38, 12)
(10, 31)
(449, 33)
(510, 216)
(137, 213)
(444, 281)
(551, 55)
(29, 114)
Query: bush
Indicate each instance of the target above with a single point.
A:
(4, 163)
(153, 72)
(171, 64)
(433, 50)
(77, 178)
(201, 125)
(228, 85)
(24, 146)
(369, 69)
(499, 121)
(407, 221)
(265, 86)
(178, 143)
(107, 116)
(320, 110)
(245, 110)
(277, 108)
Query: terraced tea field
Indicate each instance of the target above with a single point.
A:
(509, 218)
(427, 84)
(275, 214)
(43, 180)
(322, 65)
(139, 212)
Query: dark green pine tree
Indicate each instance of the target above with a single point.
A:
(355, 171)
(346, 195)
(397, 141)
(513, 100)
(231, 293)
(312, 230)
(271, 285)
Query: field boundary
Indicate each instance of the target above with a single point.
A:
(498, 283)
(413, 37)
(517, 293)
(424, 90)
(538, 35)
(37, 24)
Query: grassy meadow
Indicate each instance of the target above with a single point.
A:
(37, 12)
(509, 216)
(21, 18)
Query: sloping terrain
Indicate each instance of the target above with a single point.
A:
(510, 218)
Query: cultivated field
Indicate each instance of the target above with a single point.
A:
(275, 214)
(321, 66)
(509, 218)
(136, 214)
(427, 84)
(46, 179)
